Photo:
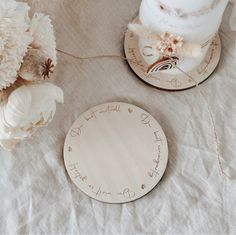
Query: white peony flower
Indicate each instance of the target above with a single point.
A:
(14, 39)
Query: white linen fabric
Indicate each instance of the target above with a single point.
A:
(194, 196)
(233, 22)
(233, 16)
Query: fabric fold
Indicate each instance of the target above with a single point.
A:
(232, 22)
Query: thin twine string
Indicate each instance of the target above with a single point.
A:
(219, 157)
(91, 57)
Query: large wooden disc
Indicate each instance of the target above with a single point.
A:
(116, 152)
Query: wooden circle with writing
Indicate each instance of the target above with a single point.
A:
(116, 152)
(165, 81)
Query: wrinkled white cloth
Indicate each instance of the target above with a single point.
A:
(233, 22)
(36, 194)
(233, 16)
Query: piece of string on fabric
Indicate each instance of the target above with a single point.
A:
(189, 76)
(212, 121)
(91, 57)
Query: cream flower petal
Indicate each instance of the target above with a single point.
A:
(43, 33)
(14, 39)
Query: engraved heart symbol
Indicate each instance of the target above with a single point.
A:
(143, 186)
(128, 193)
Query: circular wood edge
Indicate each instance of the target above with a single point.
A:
(166, 157)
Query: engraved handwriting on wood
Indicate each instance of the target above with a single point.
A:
(203, 68)
(100, 192)
(135, 59)
(175, 83)
(158, 137)
(151, 76)
(76, 131)
(146, 119)
(74, 169)
(108, 109)
(91, 116)
(154, 171)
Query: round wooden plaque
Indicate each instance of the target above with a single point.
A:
(169, 82)
(116, 152)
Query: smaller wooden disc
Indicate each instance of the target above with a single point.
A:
(170, 82)
(116, 152)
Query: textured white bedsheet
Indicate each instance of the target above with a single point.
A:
(194, 197)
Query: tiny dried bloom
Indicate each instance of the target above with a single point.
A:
(169, 43)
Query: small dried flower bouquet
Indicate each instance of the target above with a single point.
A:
(27, 59)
